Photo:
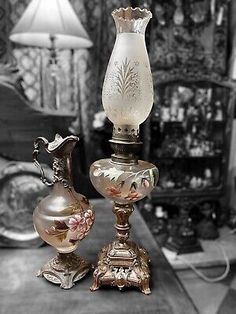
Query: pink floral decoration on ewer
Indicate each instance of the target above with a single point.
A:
(78, 225)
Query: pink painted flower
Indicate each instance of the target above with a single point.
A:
(97, 172)
(83, 232)
(145, 183)
(89, 217)
(80, 225)
(75, 222)
(133, 196)
(113, 191)
(80, 233)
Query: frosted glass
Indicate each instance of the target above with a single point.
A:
(127, 94)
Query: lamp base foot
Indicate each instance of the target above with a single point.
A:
(122, 265)
(65, 269)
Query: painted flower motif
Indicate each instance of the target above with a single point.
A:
(75, 222)
(113, 191)
(97, 172)
(80, 225)
(145, 183)
(133, 196)
(89, 217)
(83, 232)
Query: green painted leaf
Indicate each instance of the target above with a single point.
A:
(152, 177)
(112, 173)
(59, 230)
(62, 235)
(61, 225)
(134, 185)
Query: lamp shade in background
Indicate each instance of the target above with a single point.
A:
(232, 71)
(43, 19)
(232, 61)
(51, 24)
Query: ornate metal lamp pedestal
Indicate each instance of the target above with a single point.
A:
(65, 269)
(122, 263)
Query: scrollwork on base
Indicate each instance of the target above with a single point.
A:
(124, 266)
(65, 269)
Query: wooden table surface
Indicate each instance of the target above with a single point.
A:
(23, 293)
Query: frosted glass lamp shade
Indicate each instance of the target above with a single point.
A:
(57, 18)
(127, 94)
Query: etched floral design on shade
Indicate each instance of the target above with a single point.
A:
(126, 80)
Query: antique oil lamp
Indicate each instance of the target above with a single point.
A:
(127, 99)
(63, 218)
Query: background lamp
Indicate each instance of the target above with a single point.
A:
(54, 25)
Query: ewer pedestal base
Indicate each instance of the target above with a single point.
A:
(122, 265)
(65, 269)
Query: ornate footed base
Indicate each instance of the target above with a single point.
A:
(122, 265)
(65, 269)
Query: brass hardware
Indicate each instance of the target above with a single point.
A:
(65, 269)
(122, 263)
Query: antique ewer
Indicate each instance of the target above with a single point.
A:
(64, 217)
(127, 99)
